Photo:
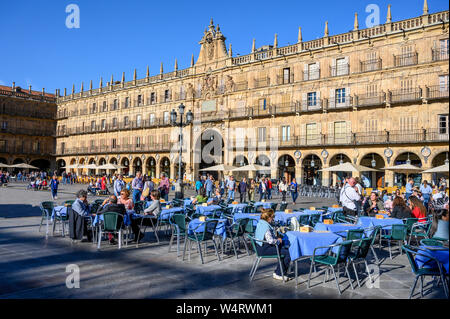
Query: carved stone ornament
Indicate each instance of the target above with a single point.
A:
(229, 84)
(209, 85)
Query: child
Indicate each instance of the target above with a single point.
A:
(54, 187)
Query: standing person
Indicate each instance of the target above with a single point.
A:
(119, 184)
(251, 190)
(148, 187)
(409, 188)
(262, 189)
(231, 186)
(243, 187)
(282, 187)
(209, 186)
(294, 190)
(103, 184)
(164, 187)
(269, 188)
(54, 187)
(198, 185)
(350, 197)
(426, 191)
(137, 185)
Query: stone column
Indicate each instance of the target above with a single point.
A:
(389, 178)
(298, 173)
(172, 171)
(158, 169)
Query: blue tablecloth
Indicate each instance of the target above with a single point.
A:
(238, 208)
(263, 204)
(126, 218)
(337, 228)
(220, 229)
(303, 244)
(284, 218)
(207, 210)
(255, 217)
(59, 211)
(334, 209)
(441, 255)
(148, 203)
(187, 202)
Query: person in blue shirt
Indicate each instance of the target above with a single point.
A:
(293, 188)
(265, 232)
(426, 191)
(209, 186)
(409, 188)
(54, 187)
(79, 217)
(119, 184)
(198, 185)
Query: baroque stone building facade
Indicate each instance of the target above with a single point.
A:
(375, 97)
(28, 125)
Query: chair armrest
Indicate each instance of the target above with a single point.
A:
(321, 247)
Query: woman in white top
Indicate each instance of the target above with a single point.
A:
(282, 187)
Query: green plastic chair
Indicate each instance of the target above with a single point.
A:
(303, 220)
(237, 231)
(419, 230)
(314, 219)
(278, 256)
(432, 242)
(375, 231)
(178, 223)
(46, 209)
(362, 249)
(424, 271)
(338, 216)
(283, 206)
(331, 260)
(139, 207)
(71, 201)
(202, 237)
(398, 233)
(112, 223)
(274, 206)
(353, 234)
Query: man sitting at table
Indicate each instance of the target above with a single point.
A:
(110, 205)
(373, 205)
(264, 231)
(216, 199)
(154, 210)
(79, 215)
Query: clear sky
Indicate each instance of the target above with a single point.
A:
(116, 36)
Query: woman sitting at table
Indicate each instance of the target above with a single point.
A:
(155, 207)
(373, 205)
(264, 231)
(399, 209)
(125, 199)
(439, 227)
(216, 199)
(417, 208)
(200, 198)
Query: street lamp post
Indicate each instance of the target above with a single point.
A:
(181, 124)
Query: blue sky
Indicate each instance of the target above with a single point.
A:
(118, 36)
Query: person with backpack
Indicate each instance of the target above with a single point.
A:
(54, 187)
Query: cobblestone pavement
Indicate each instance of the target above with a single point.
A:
(32, 266)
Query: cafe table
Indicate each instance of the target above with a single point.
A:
(437, 252)
(371, 222)
(238, 207)
(207, 210)
(302, 245)
(284, 218)
(340, 229)
(263, 204)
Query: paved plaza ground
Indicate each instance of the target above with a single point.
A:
(32, 266)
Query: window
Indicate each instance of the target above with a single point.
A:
(340, 129)
(166, 96)
(139, 99)
(113, 143)
(371, 125)
(4, 125)
(152, 119)
(36, 146)
(166, 117)
(312, 71)
(151, 140)
(311, 133)
(94, 108)
(165, 139)
(286, 133)
(312, 99)
(92, 125)
(262, 104)
(443, 83)
(406, 86)
(138, 141)
(408, 124)
(341, 67)
(114, 122)
(261, 134)
(340, 96)
(3, 145)
(286, 75)
(92, 142)
(105, 106)
(152, 98)
(127, 102)
(115, 104)
(183, 92)
(371, 90)
(126, 121)
(443, 124)
(103, 124)
(138, 120)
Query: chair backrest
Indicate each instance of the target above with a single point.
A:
(112, 221)
(353, 234)
(238, 228)
(274, 206)
(71, 201)
(314, 219)
(98, 201)
(250, 228)
(303, 219)
(432, 242)
(375, 231)
(363, 247)
(283, 206)
(398, 232)
(139, 207)
(343, 252)
(210, 227)
(180, 221)
(47, 207)
(409, 222)
(411, 253)
(217, 213)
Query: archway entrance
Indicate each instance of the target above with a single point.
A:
(338, 177)
(101, 162)
(404, 158)
(209, 151)
(263, 160)
(91, 171)
(164, 166)
(286, 167)
(43, 164)
(137, 165)
(239, 161)
(311, 166)
(438, 160)
(125, 162)
(373, 179)
(151, 167)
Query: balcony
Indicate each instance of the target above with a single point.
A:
(284, 108)
(405, 96)
(370, 65)
(240, 86)
(128, 148)
(262, 82)
(340, 102)
(370, 99)
(437, 92)
(440, 54)
(24, 151)
(311, 105)
(339, 70)
(311, 75)
(285, 79)
(27, 111)
(41, 131)
(405, 59)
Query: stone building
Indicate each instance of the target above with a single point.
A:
(28, 125)
(375, 97)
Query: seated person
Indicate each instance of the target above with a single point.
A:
(91, 188)
(417, 208)
(399, 209)
(216, 199)
(125, 199)
(388, 204)
(373, 205)
(110, 205)
(439, 226)
(201, 197)
(264, 231)
(154, 210)
(44, 184)
(78, 225)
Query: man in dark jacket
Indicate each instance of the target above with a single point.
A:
(243, 187)
(110, 205)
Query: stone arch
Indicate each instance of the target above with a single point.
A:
(373, 179)
(286, 167)
(125, 162)
(137, 165)
(3, 160)
(208, 150)
(402, 158)
(439, 159)
(150, 165)
(164, 166)
(311, 165)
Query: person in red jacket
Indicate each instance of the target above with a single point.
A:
(269, 189)
(417, 209)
